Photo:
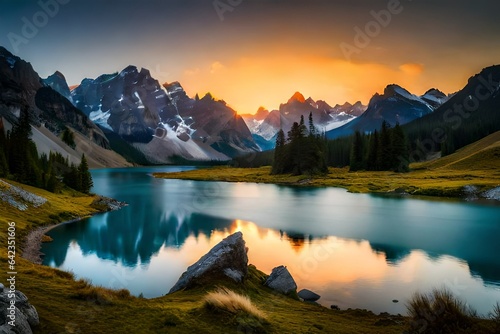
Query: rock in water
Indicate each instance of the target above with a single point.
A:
(26, 316)
(228, 258)
(308, 295)
(280, 280)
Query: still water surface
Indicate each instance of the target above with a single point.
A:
(355, 250)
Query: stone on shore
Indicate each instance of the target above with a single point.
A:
(493, 194)
(281, 280)
(26, 315)
(308, 295)
(228, 258)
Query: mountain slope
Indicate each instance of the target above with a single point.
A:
(483, 154)
(21, 88)
(57, 82)
(468, 116)
(395, 105)
(162, 122)
(127, 103)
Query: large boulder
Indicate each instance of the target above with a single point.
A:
(24, 316)
(281, 280)
(228, 258)
(308, 295)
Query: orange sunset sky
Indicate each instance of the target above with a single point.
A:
(255, 53)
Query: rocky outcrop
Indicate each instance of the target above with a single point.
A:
(18, 197)
(127, 103)
(58, 82)
(107, 204)
(207, 120)
(308, 295)
(21, 88)
(281, 280)
(493, 194)
(472, 193)
(22, 314)
(227, 259)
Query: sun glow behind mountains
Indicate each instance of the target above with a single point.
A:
(260, 52)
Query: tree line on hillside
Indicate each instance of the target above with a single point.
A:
(305, 151)
(380, 151)
(447, 134)
(20, 161)
(302, 152)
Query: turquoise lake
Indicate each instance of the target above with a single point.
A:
(355, 250)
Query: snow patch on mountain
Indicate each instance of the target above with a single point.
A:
(407, 95)
(101, 118)
(336, 123)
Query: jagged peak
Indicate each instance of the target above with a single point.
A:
(297, 97)
(6, 53)
(345, 105)
(174, 87)
(172, 84)
(208, 96)
(310, 100)
(130, 69)
(435, 92)
(394, 89)
(57, 74)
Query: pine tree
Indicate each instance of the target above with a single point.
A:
(372, 159)
(69, 138)
(85, 176)
(300, 154)
(72, 178)
(294, 132)
(280, 159)
(357, 153)
(19, 158)
(4, 153)
(400, 154)
(385, 147)
(312, 128)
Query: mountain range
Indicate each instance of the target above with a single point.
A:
(395, 105)
(265, 124)
(21, 89)
(129, 117)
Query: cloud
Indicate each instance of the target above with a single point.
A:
(412, 68)
(192, 71)
(216, 66)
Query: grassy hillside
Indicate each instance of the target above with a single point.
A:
(483, 154)
(66, 305)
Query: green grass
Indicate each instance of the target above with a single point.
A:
(477, 164)
(443, 183)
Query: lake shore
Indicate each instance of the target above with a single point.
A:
(63, 301)
(34, 239)
(470, 185)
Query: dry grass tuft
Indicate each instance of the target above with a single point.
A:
(439, 312)
(225, 299)
(495, 316)
(97, 294)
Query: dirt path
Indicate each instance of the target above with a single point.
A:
(33, 242)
